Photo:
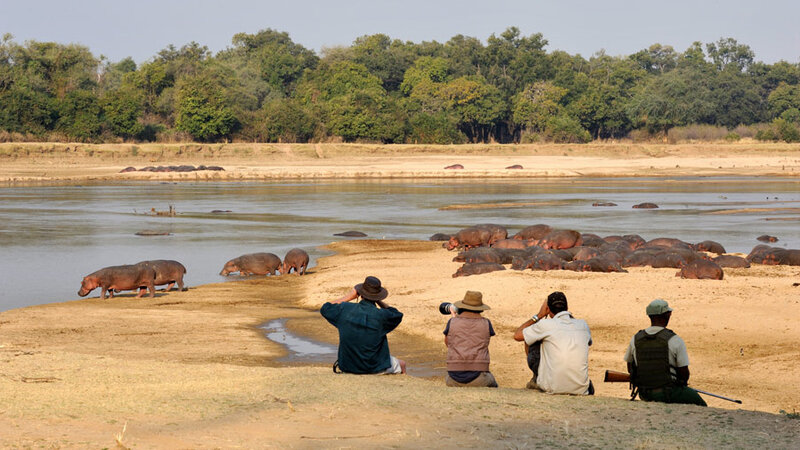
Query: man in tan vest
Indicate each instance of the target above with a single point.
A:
(467, 338)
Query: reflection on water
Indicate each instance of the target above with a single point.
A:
(300, 349)
(52, 236)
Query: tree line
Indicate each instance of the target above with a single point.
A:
(266, 88)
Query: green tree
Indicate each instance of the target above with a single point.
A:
(536, 104)
(79, 115)
(728, 54)
(122, 110)
(784, 98)
(201, 107)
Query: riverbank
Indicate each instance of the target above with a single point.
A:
(191, 369)
(80, 163)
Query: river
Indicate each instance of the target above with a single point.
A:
(52, 236)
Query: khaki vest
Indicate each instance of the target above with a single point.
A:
(468, 343)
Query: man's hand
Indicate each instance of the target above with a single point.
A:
(544, 311)
(346, 298)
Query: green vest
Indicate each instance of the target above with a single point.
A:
(652, 360)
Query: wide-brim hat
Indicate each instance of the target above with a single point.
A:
(473, 301)
(371, 289)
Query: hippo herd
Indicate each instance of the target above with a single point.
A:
(146, 275)
(181, 168)
(487, 248)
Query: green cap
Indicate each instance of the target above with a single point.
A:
(658, 306)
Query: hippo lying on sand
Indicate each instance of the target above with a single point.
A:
(477, 268)
(252, 264)
(701, 269)
(119, 278)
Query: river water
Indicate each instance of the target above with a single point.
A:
(52, 236)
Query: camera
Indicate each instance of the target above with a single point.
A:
(447, 308)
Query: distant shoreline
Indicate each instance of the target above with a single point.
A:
(31, 163)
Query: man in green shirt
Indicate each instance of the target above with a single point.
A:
(363, 326)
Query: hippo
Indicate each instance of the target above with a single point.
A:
(709, 246)
(547, 261)
(510, 243)
(477, 268)
(454, 167)
(521, 263)
(767, 238)
(612, 256)
(128, 169)
(666, 243)
(620, 247)
(253, 264)
(533, 232)
(645, 205)
(351, 234)
(592, 240)
(563, 255)
(561, 239)
(168, 272)
(469, 238)
(604, 204)
(119, 278)
(585, 253)
(639, 258)
(497, 232)
(440, 237)
(668, 259)
(479, 254)
(764, 254)
(731, 261)
(701, 270)
(634, 240)
(597, 264)
(296, 259)
(515, 166)
(508, 254)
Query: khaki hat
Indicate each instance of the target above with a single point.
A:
(473, 301)
(657, 307)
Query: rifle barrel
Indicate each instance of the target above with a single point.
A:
(719, 396)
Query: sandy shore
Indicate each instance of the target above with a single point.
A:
(191, 370)
(73, 163)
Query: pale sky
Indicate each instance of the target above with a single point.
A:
(142, 28)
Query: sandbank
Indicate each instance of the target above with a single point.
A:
(192, 370)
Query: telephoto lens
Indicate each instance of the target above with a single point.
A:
(447, 308)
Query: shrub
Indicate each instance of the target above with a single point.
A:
(732, 137)
(564, 129)
(697, 133)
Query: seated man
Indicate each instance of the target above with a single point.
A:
(658, 361)
(363, 347)
(557, 349)
(467, 337)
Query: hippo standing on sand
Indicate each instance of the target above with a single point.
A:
(296, 259)
(168, 272)
(645, 205)
(454, 167)
(709, 246)
(732, 261)
(701, 269)
(252, 264)
(119, 278)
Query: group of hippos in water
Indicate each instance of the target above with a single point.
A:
(487, 248)
(146, 275)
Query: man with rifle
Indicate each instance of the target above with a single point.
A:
(658, 362)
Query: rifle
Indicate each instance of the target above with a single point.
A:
(613, 376)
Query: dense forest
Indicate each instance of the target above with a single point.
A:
(266, 88)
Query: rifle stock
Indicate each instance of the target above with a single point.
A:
(612, 376)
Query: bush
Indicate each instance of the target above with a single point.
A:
(564, 129)
(733, 137)
(786, 131)
(697, 133)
